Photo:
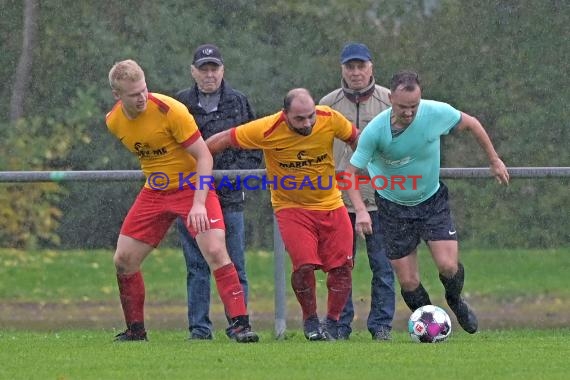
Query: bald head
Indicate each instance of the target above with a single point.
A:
(300, 112)
(297, 95)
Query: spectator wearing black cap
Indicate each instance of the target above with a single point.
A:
(216, 107)
(360, 99)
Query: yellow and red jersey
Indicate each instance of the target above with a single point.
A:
(158, 137)
(300, 169)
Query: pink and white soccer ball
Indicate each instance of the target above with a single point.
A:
(429, 324)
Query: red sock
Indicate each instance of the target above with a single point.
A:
(230, 290)
(132, 293)
(303, 283)
(339, 283)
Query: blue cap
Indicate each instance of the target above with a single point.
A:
(355, 51)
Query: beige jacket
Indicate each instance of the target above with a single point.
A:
(359, 109)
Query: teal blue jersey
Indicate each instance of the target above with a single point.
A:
(405, 169)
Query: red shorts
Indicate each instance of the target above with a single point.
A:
(154, 211)
(321, 238)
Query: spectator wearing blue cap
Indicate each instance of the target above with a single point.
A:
(360, 99)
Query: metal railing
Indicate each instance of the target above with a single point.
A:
(135, 175)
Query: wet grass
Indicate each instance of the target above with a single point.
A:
(80, 354)
(68, 277)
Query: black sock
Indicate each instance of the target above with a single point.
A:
(416, 298)
(454, 285)
(240, 320)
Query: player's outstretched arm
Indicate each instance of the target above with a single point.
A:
(220, 141)
(497, 166)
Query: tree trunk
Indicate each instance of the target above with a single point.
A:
(22, 76)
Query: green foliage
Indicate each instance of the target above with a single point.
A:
(24, 224)
(526, 214)
(11, 25)
(29, 213)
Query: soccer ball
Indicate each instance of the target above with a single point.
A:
(429, 324)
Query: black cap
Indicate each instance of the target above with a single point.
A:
(207, 53)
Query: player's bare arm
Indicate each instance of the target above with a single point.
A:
(354, 142)
(497, 166)
(363, 223)
(220, 141)
(198, 216)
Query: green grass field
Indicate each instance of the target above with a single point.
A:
(88, 354)
(505, 286)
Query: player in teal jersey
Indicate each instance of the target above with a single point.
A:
(401, 148)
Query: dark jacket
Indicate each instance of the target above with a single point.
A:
(233, 109)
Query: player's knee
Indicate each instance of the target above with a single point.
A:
(119, 267)
(340, 277)
(448, 269)
(213, 248)
(408, 279)
(409, 284)
(342, 271)
(303, 277)
(123, 262)
(217, 256)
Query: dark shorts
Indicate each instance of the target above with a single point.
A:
(405, 226)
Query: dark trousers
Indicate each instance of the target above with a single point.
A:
(383, 298)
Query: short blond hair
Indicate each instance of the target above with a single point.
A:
(125, 70)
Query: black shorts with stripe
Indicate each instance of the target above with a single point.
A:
(404, 226)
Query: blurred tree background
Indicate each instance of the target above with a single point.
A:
(504, 61)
